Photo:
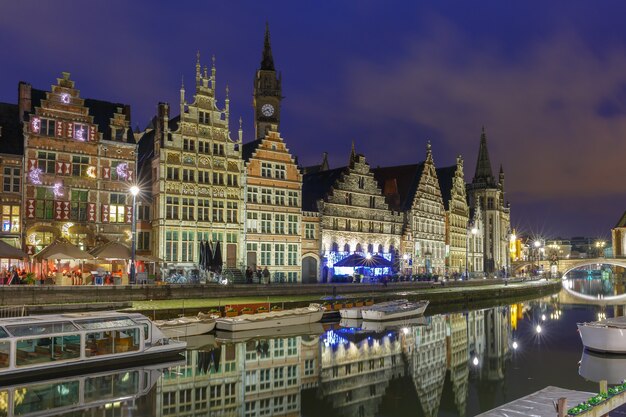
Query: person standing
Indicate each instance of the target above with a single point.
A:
(266, 275)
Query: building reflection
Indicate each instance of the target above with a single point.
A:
(346, 371)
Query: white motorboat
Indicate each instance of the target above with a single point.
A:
(387, 325)
(187, 326)
(394, 312)
(605, 335)
(37, 345)
(356, 312)
(596, 367)
(311, 314)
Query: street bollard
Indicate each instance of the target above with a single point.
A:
(561, 407)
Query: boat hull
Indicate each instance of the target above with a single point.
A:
(187, 329)
(270, 332)
(357, 312)
(235, 324)
(393, 314)
(603, 339)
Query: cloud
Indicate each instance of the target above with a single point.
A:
(555, 111)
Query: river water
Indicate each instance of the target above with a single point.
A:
(454, 364)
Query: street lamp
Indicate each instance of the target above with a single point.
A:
(600, 247)
(537, 244)
(134, 190)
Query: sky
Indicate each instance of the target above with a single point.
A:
(547, 80)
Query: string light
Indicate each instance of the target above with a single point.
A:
(58, 189)
(91, 172)
(122, 170)
(34, 175)
(79, 132)
(36, 124)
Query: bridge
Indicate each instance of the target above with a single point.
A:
(564, 266)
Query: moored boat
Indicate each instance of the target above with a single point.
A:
(605, 335)
(270, 332)
(356, 312)
(597, 367)
(311, 314)
(38, 345)
(396, 311)
(187, 326)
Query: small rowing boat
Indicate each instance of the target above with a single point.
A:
(605, 335)
(187, 326)
(394, 312)
(356, 312)
(311, 314)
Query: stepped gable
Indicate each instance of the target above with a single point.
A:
(248, 149)
(399, 184)
(315, 186)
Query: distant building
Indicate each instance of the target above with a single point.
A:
(618, 237)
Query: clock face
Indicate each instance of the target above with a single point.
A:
(267, 110)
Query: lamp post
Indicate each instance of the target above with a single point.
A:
(600, 248)
(537, 245)
(134, 190)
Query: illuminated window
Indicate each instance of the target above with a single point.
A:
(10, 219)
(171, 246)
(204, 208)
(117, 208)
(231, 212)
(188, 209)
(279, 254)
(171, 208)
(218, 211)
(187, 247)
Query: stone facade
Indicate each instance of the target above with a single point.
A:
(495, 211)
(310, 233)
(273, 208)
(197, 180)
(79, 164)
(354, 215)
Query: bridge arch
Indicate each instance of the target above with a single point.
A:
(590, 262)
(594, 300)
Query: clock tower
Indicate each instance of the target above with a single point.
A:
(267, 91)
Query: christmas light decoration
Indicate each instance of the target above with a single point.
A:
(91, 172)
(34, 175)
(58, 189)
(65, 229)
(79, 132)
(122, 170)
(35, 124)
(65, 98)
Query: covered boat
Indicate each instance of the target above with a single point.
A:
(187, 326)
(395, 311)
(38, 345)
(605, 335)
(356, 312)
(311, 314)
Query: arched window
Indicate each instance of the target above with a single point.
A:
(370, 248)
(334, 247)
(358, 248)
(346, 248)
(380, 248)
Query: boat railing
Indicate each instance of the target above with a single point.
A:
(12, 311)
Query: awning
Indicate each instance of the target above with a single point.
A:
(351, 261)
(10, 252)
(356, 260)
(112, 250)
(148, 258)
(62, 250)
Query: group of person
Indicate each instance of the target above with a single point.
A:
(13, 276)
(263, 276)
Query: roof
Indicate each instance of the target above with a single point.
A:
(445, 176)
(249, 148)
(399, 184)
(11, 138)
(622, 221)
(483, 173)
(315, 186)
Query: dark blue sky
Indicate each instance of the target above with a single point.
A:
(547, 79)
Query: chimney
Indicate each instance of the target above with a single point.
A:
(25, 103)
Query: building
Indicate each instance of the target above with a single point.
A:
(489, 193)
(452, 186)
(196, 180)
(414, 191)
(80, 162)
(618, 237)
(354, 217)
(475, 258)
(11, 155)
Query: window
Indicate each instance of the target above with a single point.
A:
(251, 381)
(189, 144)
(280, 171)
(266, 169)
(143, 240)
(490, 203)
(231, 180)
(171, 246)
(119, 133)
(293, 198)
(80, 131)
(266, 196)
(250, 409)
(47, 127)
(266, 223)
(349, 198)
(279, 254)
(279, 224)
(253, 196)
(215, 395)
(171, 208)
(204, 177)
(231, 212)
(361, 183)
(11, 180)
(218, 149)
(231, 237)
(218, 211)
(264, 379)
(372, 202)
(143, 212)
(115, 176)
(187, 247)
(204, 207)
(292, 225)
(309, 367)
(279, 406)
(292, 277)
(10, 219)
(279, 199)
(279, 375)
(292, 346)
(45, 203)
(46, 162)
(230, 393)
(292, 402)
(188, 208)
(203, 117)
(189, 175)
(264, 407)
(203, 147)
(292, 254)
(218, 178)
(117, 208)
(173, 173)
(252, 222)
(266, 252)
(292, 375)
(201, 398)
(78, 199)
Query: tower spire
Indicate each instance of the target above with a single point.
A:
(267, 61)
(352, 154)
(483, 173)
